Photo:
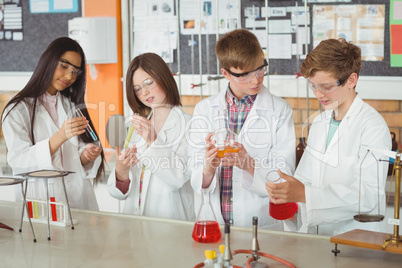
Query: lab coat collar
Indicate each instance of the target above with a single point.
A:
(354, 110)
(264, 100)
(175, 115)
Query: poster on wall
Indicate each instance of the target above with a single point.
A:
(53, 6)
(155, 28)
(363, 25)
(286, 35)
(395, 23)
(11, 20)
(204, 19)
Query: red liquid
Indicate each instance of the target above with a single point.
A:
(206, 232)
(29, 204)
(53, 207)
(282, 211)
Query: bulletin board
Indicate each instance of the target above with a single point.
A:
(39, 31)
(189, 43)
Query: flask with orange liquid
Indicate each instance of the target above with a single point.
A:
(206, 228)
(224, 138)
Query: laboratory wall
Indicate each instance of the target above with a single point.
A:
(105, 91)
(391, 111)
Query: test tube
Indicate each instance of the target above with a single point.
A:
(88, 128)
(52, 199)
(35, 210)
(128, 138)
(61, 214)
(29, 203)
(129, 134)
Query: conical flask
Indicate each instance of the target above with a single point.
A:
(206, 228)
(224, 137)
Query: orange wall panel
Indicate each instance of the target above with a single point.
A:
(105, 93)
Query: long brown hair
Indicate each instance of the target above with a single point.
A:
(156, 67)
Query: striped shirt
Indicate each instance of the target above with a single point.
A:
(238, 111)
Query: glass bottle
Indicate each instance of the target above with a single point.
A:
(224, 138)
(395, 149)
(206, 228)
(280, 211)
(300, 149)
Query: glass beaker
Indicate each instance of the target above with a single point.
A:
(280, 211)
(224, 137)
(206, 228)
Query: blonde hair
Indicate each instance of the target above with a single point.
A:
(238, 49)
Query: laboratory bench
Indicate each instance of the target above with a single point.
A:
(103, 239)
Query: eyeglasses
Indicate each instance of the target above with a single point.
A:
(326, 88)
(67, 68)
(247, 77)
(148, 85)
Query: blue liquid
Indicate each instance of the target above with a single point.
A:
(93, 135)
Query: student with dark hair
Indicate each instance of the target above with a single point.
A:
(152, 175)
(42, 130)
(335, 178)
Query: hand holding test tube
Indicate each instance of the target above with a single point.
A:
(128, 138)
(88, 128)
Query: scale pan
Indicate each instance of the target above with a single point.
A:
(368, 218)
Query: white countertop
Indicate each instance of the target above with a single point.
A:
(116, 240)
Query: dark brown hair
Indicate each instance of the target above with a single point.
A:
(239, 49)
(156, 67)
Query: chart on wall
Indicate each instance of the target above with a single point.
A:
(155, 28)
(11, 20)
(361, 24)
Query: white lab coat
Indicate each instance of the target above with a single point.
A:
(331, 176)
(166, 190)
(24, 157)
(268, 136)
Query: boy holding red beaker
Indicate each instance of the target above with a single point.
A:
(335, 177)
(263, 124)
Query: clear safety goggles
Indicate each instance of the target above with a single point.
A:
(327, 87)
(148, 85)
(67, 68)
(247, 77)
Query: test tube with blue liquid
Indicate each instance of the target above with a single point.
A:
(88, 128)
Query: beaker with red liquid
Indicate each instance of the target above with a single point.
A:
(206, 228)
(280, 211)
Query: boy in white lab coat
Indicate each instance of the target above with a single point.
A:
(332, 180)
(264, 125)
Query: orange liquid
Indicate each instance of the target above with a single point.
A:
(282, 211)
(227, 149)
(206, 231)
